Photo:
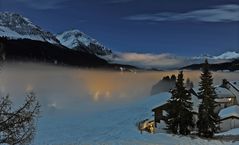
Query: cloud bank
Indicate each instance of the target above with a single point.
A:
(166, 60)
(147, 60)
(222, 13)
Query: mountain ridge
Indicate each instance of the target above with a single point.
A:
(26, 50)
(228, 55)
(16, 26)
(231, 66)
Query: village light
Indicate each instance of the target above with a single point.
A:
(229, 99)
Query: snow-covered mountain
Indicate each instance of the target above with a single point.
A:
(15, 26)
(224, 56)
(77, 40)
(227, 55)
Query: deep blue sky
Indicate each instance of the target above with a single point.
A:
(181, 27)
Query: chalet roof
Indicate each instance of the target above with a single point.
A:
(220, 92)
(196, 102)
(232, 111)
(163, 100)
(234, 88)
(223, 92)
(235, 84)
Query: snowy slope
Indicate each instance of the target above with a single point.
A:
(116, 126)
(77, 40)
(15, 26)
(234, 131)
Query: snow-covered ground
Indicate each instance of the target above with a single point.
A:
(115, 126)
(230, 132)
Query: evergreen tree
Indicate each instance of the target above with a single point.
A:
(180, 116)
(207, 118)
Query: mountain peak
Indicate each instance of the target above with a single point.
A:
(9, 16)
(73, 31)
(224, 56)
(15, 26)
(75, 39)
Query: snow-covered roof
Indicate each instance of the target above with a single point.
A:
(223, 92)
(220, 92)
(163, 99)
(229, 111)
(235, 84)
(234, 88)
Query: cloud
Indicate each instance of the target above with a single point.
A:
(165, 60)
(147, 60)
(43, 4)
(222, 13)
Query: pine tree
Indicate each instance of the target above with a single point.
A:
(207, 118)
(180, 116)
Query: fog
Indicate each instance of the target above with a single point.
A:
(84, 90)
(82, 104)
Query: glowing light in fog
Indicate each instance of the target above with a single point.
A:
(29, 88)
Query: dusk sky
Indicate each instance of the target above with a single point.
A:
(180, 27)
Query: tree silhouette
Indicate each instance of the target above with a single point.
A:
(207, 118)
(18, 126)
(180, 116)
